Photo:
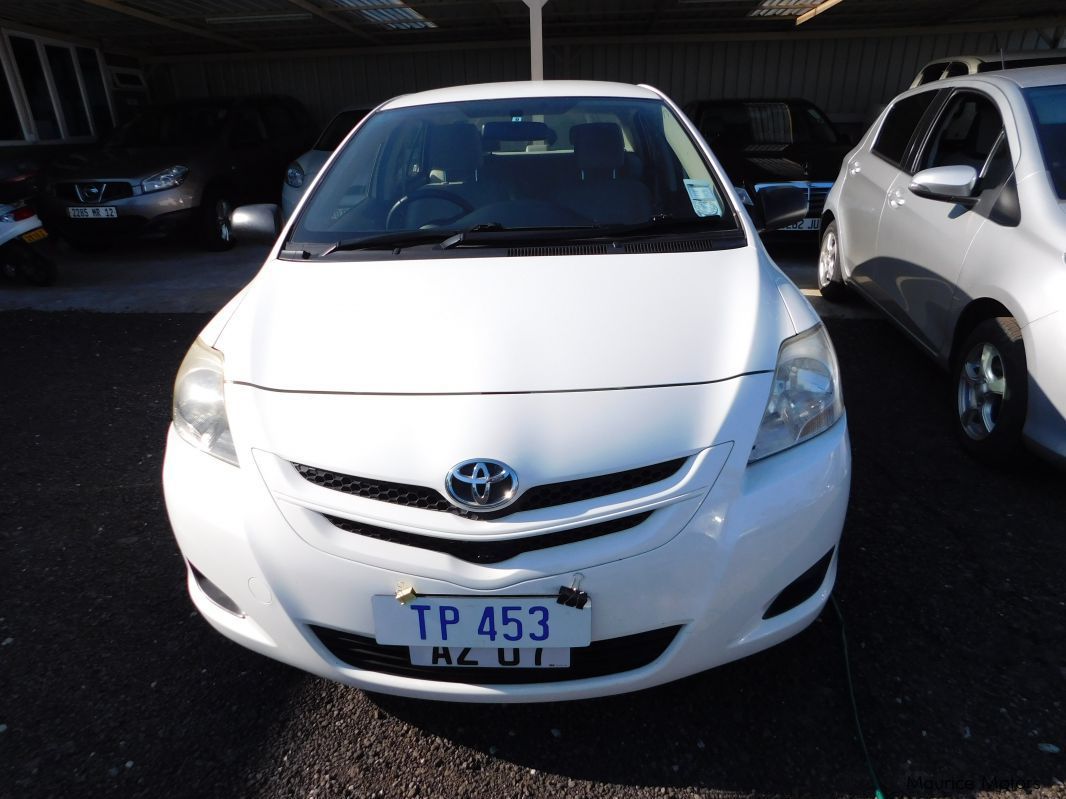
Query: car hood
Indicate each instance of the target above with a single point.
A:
(507, 325)
(118, 163)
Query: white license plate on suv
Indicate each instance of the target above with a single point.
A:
(92, 212)
(813, 223)
(525, 622)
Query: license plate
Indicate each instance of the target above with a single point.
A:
(487, 658)
(805, 224)
(481, 622)
(35, 235)
(92, 212)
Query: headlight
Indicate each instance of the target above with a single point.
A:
(806, 398)
(199, 403)
(167, 179)
(294, 175)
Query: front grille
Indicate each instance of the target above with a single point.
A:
(93, 193)
(542, 496)
(600, 658)
(490, 551)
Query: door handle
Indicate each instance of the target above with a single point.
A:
(856, 168)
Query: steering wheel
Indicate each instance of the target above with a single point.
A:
(430, 194)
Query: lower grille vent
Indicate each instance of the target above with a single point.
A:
(610, 656)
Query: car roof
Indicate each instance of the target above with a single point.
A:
(741, 100)
(523, 89)
(1023, 78)
(988, 58)
(1033, 76)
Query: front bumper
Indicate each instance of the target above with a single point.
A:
(156, 213)
(711, 567)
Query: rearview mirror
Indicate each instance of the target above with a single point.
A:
(953, 184)
(259, 222)
(781, 206)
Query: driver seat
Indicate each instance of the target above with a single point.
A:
(453, 164)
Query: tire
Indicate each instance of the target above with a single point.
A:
(990, 389)
(830, 282)
(215, 233)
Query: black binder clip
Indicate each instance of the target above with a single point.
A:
(572, 596)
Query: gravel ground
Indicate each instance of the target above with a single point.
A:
(950, 583)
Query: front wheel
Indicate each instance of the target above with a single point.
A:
(830, 281)
(990, 383)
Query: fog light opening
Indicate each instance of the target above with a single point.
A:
(214, 593)
(802, 588)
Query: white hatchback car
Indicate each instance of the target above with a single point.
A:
(950, 216)
(534, 418)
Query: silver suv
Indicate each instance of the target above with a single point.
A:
(176, 167)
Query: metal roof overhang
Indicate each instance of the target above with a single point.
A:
(168, 30)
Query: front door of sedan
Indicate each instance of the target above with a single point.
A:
(923, 242)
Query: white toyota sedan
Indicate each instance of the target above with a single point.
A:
(530, 416)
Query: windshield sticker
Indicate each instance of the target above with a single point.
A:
(703, 197)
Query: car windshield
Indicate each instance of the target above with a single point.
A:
(172, 126)
(338, 128)
(745, 123)
(1047, 104)
(549, 164)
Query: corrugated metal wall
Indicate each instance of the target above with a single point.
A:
(849, 77)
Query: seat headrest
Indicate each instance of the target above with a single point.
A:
(455, 148)
(598, 145)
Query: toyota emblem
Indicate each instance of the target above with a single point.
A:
(482, 484)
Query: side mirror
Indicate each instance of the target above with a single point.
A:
(781, 206)
(952, 184)
(255, 222)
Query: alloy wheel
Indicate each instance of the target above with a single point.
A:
(982, 390)
(827, 259)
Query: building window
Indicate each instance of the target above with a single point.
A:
(35, 86)
(68, 90)
(95, 90)
(51, 91)
(10, 127)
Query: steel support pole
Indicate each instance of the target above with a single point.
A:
(536, 39)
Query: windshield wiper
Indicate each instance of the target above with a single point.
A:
(495, 233)
(490, 233)
(388, 241)
(658, 225)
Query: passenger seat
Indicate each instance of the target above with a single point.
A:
(601, 191)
